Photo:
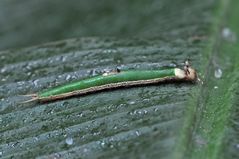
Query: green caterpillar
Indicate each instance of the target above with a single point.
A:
(115, 79)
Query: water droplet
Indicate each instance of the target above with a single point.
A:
(69, 141)
(226, 32)
(74, 77)
(15, 144)
(132, 102)
(35, 82)
(51, 61)
(109, 51)
(93, 72)
(80, 115)
(144, 57)
(102, 143)
(215, 87)
(156, 109)
(68, 77)
(1, 153)
(63, 58)
(130, 113)
(85, 150)
(35, 139)
(57, 155)
(228, 35)
(139, 112)
(218, 73)
(20, 83)
(3, 70)
(237, 146)
(96, 133)
(24, 120)
(137, 132)
(28, 67)
(172, 65)
(146, 99)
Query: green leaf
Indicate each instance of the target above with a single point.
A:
(170, 120)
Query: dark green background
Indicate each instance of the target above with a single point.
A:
(30, 22)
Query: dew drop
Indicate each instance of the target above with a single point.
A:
(69, 141)
(96, 133)
(138, 112)
(56, 156)
(137, 132)
(68, 77)
(93, 72)
(109, 51)
(80, 115)
(237, 146)
(131, 113)
(35, 139)
(102, 143)
(3, 70)
(132, 102)
(51, 61)
(226, 32)
(24, 120)
(1, 153)
(74, 77)
(144, 57)
(156, 109)
(229, 35)
(218, 73)
(172, 65)
(85, 150)
(28, 67)
(215, 87)
(63, 58)
(35, 82)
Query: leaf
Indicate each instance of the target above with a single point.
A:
(173, 120)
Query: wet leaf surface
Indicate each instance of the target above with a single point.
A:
(171, 120)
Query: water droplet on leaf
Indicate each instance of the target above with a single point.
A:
(237, 146)
(229, 35)
(137, 133)
(68, 77)
(102, 143)
(69, 141)
(132, 102)
(218, 73)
